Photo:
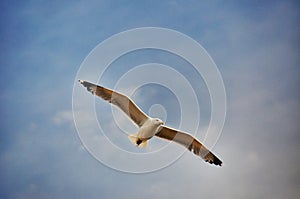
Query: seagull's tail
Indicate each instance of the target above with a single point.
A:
(137, 141)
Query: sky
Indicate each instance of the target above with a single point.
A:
(255, 45)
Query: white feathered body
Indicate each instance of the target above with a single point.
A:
(150, 127)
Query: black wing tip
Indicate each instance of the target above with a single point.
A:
(83, 82)
(218, 162)
(88, 85)
(215, 162)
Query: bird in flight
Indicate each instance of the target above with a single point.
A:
(149, 127)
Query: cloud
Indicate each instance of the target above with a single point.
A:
(63, 117)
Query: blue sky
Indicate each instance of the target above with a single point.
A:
(255, 45)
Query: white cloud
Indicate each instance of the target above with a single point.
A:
(63, 117)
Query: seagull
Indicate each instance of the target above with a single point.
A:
(150, 127)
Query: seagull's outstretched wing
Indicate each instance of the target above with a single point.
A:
(189, 142)
(118, 99)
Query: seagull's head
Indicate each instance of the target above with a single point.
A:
(158, 121)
